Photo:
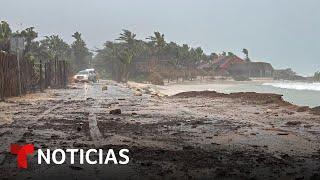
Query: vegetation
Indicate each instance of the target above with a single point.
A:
(5, 33)
(158, 43)
(120, 59)
(316, 76)
(81, 56)
(48, 49)
(125, 54)
(246, 53)
(29, 35)
(117, 57)
(241, 78)
(55, 48)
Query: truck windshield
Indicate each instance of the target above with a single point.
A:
(83, 72)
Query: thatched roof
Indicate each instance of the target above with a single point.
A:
(224, 62)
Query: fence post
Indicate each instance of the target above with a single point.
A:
(2, 77)
(65, 77)
(19, 72)
(41, 78)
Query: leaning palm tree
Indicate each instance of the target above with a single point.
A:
(246, 52)
(158, 42)
(126, 59)
(77, 36)
(127, 37)
(127, 52)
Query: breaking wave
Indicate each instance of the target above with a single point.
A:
(295, 85)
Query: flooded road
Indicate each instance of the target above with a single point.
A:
(168, 137)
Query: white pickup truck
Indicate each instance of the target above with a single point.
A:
(86, 75)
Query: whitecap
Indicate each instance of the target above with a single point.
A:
(295, 85)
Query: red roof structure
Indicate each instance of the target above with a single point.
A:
(223, 63)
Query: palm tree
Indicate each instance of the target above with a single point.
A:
(5, 33)
(40, 53)
(246, 53)
(127, 37)
(126, 58)
(56, 50)
(230, 54)
(81, 54)
(56, 46)
(158, 42)
(29, 34)
(77, 36)
(127, 52)
(199, 54)
(110, 58)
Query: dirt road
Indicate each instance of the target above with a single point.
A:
(173, 137)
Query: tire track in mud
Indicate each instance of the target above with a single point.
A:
(13, 135)
(95, 133)
(93, 125)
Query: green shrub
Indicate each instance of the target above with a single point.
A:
(241, 78)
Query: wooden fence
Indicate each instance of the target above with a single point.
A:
(34, 76)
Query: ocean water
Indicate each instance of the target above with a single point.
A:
(299, 93)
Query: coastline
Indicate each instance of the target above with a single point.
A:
(293, 92)
(166, 90)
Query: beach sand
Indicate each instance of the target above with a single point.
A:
(194, 135)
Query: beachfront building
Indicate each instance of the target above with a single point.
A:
(252, 69)
(222, 64)
(235, 66)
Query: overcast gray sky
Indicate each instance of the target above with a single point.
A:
(285, 33)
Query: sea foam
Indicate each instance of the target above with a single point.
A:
(295, 85)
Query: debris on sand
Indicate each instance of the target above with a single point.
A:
(155, 78)
(293, 123)
(6, 118)
(283, 134)
(115, 111)
(316, 110)
(104, 88)
(190, 136)
(138, 94)
(73, 87)
(252, 97)
(303, 109)
(287, 112)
